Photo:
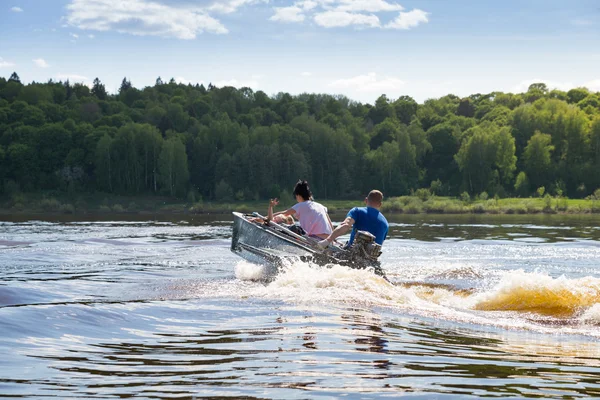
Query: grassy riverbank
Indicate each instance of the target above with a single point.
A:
(101, 203)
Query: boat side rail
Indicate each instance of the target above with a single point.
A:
(283, 229)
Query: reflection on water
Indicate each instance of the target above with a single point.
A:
(162, 309)
(349, 351)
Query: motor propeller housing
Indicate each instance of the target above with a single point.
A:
(364, 245)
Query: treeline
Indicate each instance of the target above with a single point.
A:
(196, 142)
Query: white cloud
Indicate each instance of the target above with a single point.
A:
(16, 9)
(73, 78)
(368, 6)
(336, 19)
(341, 13)
(40, 62)
(306, 73)
(288, 14)
(91, 36)
(368, 83)
(235, 83)
(5, 64)
(407, 20)
(594, 85)
(76, 36)
(146, 17)
(295, 12)
(306, 4)
(230, 6)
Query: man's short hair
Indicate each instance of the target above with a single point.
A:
(375, 197)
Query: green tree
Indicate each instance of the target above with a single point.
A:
(382, 110)
(535, 92)
(79, 92)
(173, 168)
(125, 86)
(35, 94)
(418, 138)
(440, 160)
(14, 77)
(99, 90)
(104, 161)
(22, 165)
(524, 123)
(576, 95)
(593, 178)
(522, 187)
(508, 100)
(405, 108)
(538, 159)
(465, 108)
(177, 118)
(53, 144)
(407, 173)
(223, 191)
(148, 142)
(386, 131)
(506, 160)
(54, 135)
(487, 157)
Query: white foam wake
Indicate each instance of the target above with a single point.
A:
(592, 315)
(570, 305)
(247, 271)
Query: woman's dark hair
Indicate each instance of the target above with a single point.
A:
(302, 190)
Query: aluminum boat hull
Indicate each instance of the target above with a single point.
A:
(272, 245)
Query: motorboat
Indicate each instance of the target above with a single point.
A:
(260, 241)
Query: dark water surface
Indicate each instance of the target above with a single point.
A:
(481, 306)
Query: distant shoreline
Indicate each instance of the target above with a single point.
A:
(43, 204)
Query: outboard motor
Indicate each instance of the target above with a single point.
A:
(364, 246)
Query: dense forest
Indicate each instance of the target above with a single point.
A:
(195, 142)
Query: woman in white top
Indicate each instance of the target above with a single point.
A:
(312, 215)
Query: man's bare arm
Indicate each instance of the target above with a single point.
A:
(342, 229)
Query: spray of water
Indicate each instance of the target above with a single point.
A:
(247, 271)
(509, 303)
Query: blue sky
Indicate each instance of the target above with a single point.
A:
(359, 48)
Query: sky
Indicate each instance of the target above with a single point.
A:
(358, 48)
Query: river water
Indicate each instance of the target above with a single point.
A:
(479, 306)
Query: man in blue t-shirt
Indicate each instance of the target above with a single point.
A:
(367, 218)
